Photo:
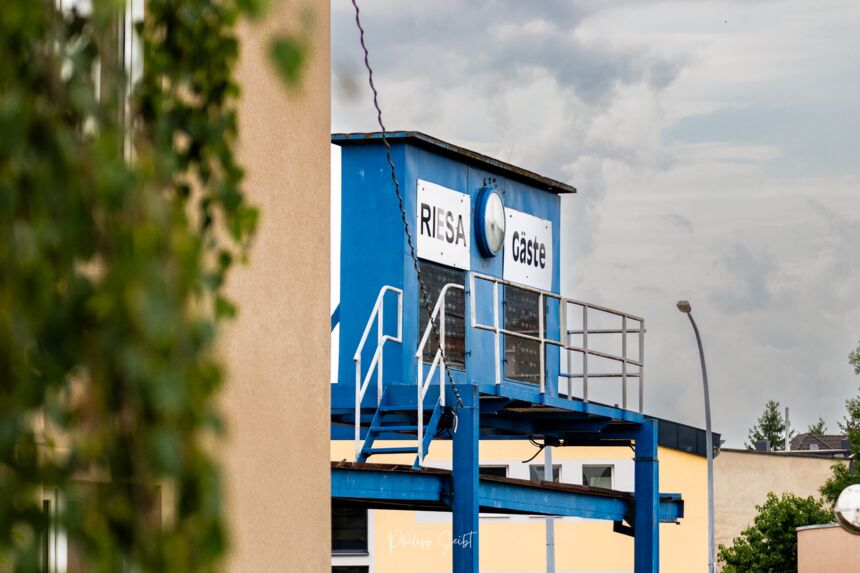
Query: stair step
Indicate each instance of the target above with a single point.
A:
(395, 408)
(400, 450)
(380, 429)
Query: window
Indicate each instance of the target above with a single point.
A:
(597, 476)
(49, 537)
(499, 471)
(435, 278)
(348, 529)
(350, 569)
(536, 472)
(522, 357)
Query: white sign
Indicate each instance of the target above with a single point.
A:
(443, 217)
(528, 250)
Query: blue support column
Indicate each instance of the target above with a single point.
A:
(645, 521)
(465, 483)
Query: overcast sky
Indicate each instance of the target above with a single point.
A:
(716, 149)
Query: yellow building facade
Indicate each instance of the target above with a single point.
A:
(420, 542)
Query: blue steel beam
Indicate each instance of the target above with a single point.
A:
(646, 545)
(401, 488)
(465, 483)
(506, 497)
(386, 485)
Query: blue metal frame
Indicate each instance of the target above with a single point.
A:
(432, 491)
(374, 253)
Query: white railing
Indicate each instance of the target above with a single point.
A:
(378, 313)
(563, 342)
(437, 365)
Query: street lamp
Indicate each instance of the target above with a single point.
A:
(847, 509)
(684, 306)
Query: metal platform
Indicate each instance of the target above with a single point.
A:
(391, 486)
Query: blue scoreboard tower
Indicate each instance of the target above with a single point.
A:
(506, 355)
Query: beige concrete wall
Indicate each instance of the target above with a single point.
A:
(827, 549)
(743, 479)
(277, 395)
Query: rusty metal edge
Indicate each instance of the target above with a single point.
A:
(572, 488)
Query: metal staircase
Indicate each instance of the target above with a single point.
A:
(398, 419)
(391, 420)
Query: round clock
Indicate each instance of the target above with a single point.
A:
(490, 222)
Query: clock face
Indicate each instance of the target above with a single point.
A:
(494, 222)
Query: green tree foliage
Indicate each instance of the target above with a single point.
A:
(769, 426)
(850, 424)
(114, 247)
(854, 359)
(770, 544)
(842, 476)
(819, 428)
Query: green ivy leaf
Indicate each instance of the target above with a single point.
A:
(289, 54)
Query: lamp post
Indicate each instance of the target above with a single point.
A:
(684, 306)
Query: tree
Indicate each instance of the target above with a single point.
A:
(769, 426)
(842, 476)
(121, 216)
(854, 359)
(770, 544)
(819, 428)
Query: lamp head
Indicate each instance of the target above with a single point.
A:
(847, 509)
(684, 306)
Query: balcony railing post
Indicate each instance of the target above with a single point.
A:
(441, 352)
(641, 366)
(420, 421)
(357, 406)
(585, 353)
(542, 344)
(624, 361)
(565, 341)
(496, 342)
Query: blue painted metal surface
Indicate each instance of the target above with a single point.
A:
(646, 550)
(465, 484)
(374, 253)
(432, 490)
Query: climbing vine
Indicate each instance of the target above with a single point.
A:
(121, 215)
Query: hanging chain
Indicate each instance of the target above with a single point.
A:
(424, 295)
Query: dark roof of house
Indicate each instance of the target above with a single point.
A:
(459, 153)
(808, 441)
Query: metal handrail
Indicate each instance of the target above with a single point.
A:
(438, 363)
(376, 362)
(564, 342)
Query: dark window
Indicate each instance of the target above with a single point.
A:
(522, 357)
(536, 472)
(435, 278)
(348, 529)
(350, 569)
(597, 476)
(500, 471)
(47, 538)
